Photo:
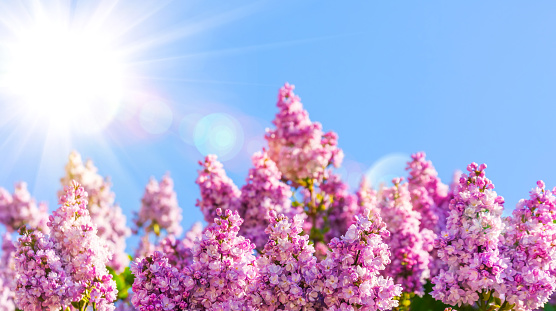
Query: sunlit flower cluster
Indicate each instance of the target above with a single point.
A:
(69, 266)
(106, 215)
(19, 209)
(298, 146)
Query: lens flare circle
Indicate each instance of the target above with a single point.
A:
(386, 168)
(64, 75)
(219, 134)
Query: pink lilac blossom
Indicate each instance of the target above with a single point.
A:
(217, 189)
(469, 245)
(106, 215)
(351, 277)
(428, 194)
(42, 282)
(7, 274)
(20, 209)
(83, 253)
(224, 268)
(159, 208)
(528, 243)
(159, 286)
(288, 269)
(298, 146)
(262, 193)
(341, 206)
(179, 252)
(410, 261)
(367, 199)
(221, 277)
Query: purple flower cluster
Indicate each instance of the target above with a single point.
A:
(19, 209)
(340, 205)
(179, 251)
(367, 200)
(429, 197)
(159, 286)
(351, 271)
(221, 277)
(7, 274)
(217, 189)
(470, 244)
(298, 146)
(529, 241)
(288, 270)
(410, 261)
(69, 266)
(159, 208)
(105, 214)
(263, 192)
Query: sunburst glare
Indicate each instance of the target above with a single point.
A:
(61, 73)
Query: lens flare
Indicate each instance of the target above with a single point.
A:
(219, 134)
(386, 168)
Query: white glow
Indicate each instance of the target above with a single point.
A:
(64, 75)
(386, 168)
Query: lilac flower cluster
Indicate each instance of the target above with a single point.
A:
(42, 281)
(340, 205)
(351, 271)
(19, 209)
(217, 189)
(410, 261)
(159, 286)
(7, 274)
(429, 197)
(470, 244)
(221, 276)
(367, 199)
(288, 270)
(179, 251)
(298, 146)
(529, 241)
(69, 266)
(263, 192)
(106, 215)
(159, 208)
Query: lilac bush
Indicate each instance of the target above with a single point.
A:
(293, 237)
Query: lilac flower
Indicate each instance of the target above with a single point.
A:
(179, 251)
(469, 246)
(106, 215)
(83, 253)
(366, 198)
(159, 208)
(20, 209)
(351, 271)
(223, 266)
(340, 205)
(288, 268)
(43, 282)
(217, 189)
(298, 146)
(159, 286)
(262, 193)
(7, 274)
(429, 197)
(221, 277)
(410, 261)
(528, 243)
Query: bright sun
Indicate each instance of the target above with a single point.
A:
(64, 75)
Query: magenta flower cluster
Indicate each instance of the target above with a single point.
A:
(105, 214)
(263, 192)
(298, 146)
(69, 266)
(20, 209)
(410, 260)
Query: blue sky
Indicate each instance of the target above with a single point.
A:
(462, 81)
